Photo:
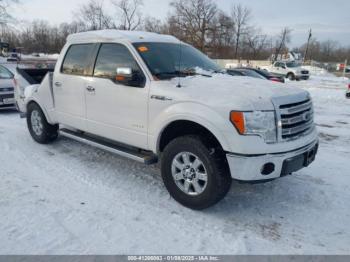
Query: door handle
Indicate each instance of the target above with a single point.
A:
(90, 89)
(58, 84)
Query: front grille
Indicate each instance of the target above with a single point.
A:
(305, 72)
(297, 119)
(7, 89)
(7, 96)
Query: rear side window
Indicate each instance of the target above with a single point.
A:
(77, 60)
(111, 57)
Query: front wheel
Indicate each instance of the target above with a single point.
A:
(291, 76)
(195, 176)
(40, 130)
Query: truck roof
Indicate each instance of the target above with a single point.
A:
(111, 34)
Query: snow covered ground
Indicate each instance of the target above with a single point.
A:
(68, 198)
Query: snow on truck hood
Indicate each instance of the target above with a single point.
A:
(234, 93)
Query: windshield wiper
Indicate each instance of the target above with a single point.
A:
(182, 73)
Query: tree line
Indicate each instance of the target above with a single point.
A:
(201, 23)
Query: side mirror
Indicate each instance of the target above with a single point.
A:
(126, 76)
(123, 73)
(284, 67)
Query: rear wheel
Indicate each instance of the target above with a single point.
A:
(194, 175)
(40, 130)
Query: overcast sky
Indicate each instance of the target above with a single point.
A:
(329, 19)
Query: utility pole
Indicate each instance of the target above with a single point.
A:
(308, 45)
(345, 65)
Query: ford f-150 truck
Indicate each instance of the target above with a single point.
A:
(290, 70)
(151, 98)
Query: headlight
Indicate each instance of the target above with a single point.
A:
(258, 123)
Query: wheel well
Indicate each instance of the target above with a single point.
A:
(31, 103)
(35, 103)
(184, 128)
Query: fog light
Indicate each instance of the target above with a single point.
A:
(268, 169)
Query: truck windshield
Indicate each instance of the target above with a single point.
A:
(293, 64)
(169, 60)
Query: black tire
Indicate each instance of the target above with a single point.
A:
(49, 132)
(291, 76)
(218, 176)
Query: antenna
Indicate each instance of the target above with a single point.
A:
(180, 63)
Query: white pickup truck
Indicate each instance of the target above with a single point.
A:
(290, 70)
(151, 98)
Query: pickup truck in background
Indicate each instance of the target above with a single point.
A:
(291, 70)
(153, 98)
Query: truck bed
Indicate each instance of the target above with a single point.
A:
(33, 76)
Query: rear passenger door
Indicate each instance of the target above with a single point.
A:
(115, 110)
(69, 85)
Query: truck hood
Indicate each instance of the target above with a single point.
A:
(232, 93)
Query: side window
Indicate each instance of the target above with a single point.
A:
(114, 56)
(77, 59)
(5, 73)
(278, 64)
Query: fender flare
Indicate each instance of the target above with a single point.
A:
(155, 137)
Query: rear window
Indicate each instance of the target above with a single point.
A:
(77, 60)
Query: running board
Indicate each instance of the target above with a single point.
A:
(138, 155)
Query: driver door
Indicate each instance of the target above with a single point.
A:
(117, 109)
(283, 69)
(278, 69)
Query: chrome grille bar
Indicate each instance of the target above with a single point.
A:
(296, 119)
(296, 109)
(298, 129)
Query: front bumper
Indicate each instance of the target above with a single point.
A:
(271, 166)
(7, 100)
(302, 77)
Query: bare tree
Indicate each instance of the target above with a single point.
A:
(131, 17)
(94, 16)
(5, 16)
(256, 43)
(241, 17)
(221, 36)
(281, 43)
(192, 20)
(154, 25)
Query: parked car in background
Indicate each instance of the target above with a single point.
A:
(290, 70)
(126, 93)
(7, 100)
(235, 72)
(255, 73)
(265, 74)
(13, 57)
(343, 67)
(244, 72)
